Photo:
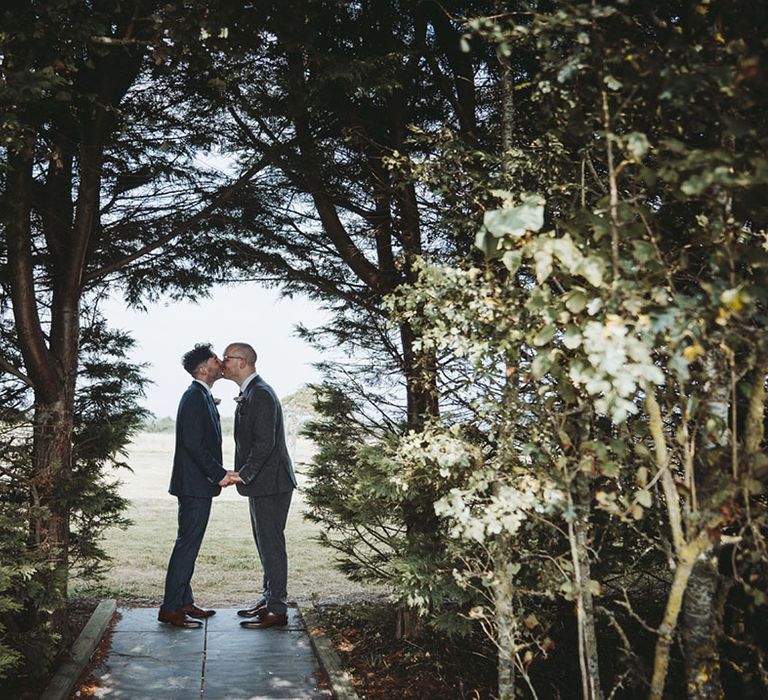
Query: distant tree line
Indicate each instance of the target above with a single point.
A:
(298, 409)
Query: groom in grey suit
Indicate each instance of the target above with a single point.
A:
(267, 479)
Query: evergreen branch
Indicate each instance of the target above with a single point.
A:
(222, 198)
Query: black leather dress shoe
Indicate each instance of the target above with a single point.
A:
(265, 619)
(193, 611)
(252, 612)
(177, 618)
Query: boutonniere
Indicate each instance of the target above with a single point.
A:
(216, 401)
(239, 398)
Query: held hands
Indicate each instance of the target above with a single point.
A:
(231, 477)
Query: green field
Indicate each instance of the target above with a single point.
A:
(228, 570)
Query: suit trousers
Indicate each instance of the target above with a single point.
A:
(193, 519)
(268, 517)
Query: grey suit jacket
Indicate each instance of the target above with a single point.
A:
(261, 455)
(197, 462)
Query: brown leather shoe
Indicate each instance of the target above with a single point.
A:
(252, 612)
(265, 619)
(193, 611)
(177, 618)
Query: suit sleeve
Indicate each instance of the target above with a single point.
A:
(194, 418)
(262, 417)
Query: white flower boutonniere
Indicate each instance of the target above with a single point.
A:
(239, 398)
(216, 401)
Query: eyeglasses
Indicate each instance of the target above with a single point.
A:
(232, 357)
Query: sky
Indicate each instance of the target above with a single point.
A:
(247, 313)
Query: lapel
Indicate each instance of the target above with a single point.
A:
(245, 395)
(241, 411)
(211, 407)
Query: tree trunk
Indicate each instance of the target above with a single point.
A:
(420, 381)
(52, 462)
(51, 354)
(578, 530)
(685, 560)
(505, 622)
(420, 519)
(407, 624)
(701, 626)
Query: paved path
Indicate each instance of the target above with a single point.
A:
(221, 661)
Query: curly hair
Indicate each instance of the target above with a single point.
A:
(199, 355)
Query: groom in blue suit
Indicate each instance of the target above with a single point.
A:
(197, 477)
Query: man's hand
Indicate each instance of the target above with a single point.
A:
(231, 477)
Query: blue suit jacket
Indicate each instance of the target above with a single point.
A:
(197, 460)
(261, 455)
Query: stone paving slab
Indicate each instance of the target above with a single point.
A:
(221, 661)
(148, 679)
(143, 645)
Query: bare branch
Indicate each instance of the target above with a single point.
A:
(10, 369)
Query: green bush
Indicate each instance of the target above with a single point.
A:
(106, 415)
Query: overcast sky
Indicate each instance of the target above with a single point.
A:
(246, 313)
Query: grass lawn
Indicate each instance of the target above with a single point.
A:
(228, 570)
